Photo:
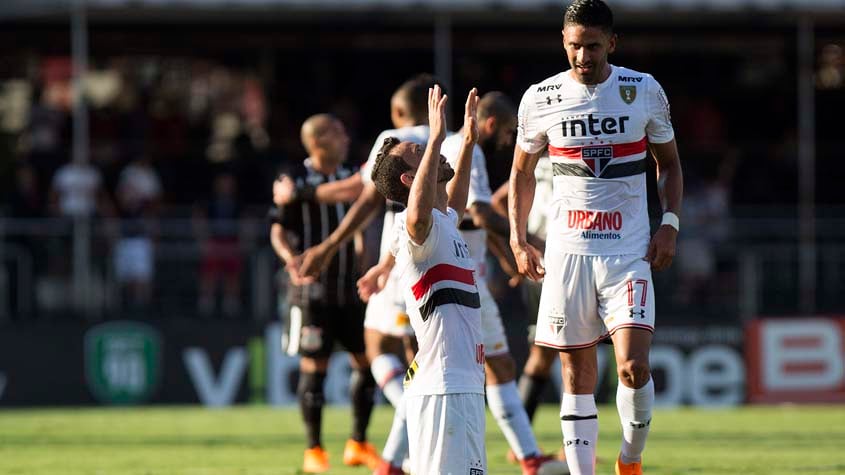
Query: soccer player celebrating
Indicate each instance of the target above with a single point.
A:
(496, 123)
(444, 397)
(386, 324)
(597, 121)
(327, 309)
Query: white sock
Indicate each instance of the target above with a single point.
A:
(506, 407)
(635, 413)
(396, 445)
(388, 372)
(580, 426)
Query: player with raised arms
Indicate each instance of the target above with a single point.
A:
(444, 395)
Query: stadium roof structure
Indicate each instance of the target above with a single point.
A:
(25, 7)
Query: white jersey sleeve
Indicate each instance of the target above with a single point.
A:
(479, 183)
(402, 241)
(659, 127)
(530, 134)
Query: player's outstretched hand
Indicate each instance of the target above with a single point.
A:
(661, 249)
(471, 117)
(315, 260)
(528, 261)
(283, 190)
(372, 282)
(437, 113)
(292, 268)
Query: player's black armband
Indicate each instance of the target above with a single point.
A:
(305, 192)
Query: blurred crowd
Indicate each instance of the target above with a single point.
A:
(178, 140)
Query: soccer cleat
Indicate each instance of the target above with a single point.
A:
(635, 468)
(360, 453)
(384, 468)
(531, 465)
(316, 460)
(513, 459)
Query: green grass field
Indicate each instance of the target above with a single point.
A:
(262, 441)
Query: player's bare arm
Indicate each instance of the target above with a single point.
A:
(375, 278)
(499, 201)
(286, 253)
(521, 187)
(458, 187)
(670, 189)
(485, 215)
(423, 194)
(339, 191)
(317, 258)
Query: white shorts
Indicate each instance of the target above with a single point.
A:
(133, 259)
(386, 310)
(446, 434)
(587, 298)
(492, 331)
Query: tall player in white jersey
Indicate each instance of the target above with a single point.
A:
(597, 120)
(445, 383)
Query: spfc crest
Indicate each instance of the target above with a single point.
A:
(556, 324)
(597, 158)
(628, 93)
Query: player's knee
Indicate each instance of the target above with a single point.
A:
(310, 388)
(541, 360)
(500, 369)
(361, 382)
(634, 373)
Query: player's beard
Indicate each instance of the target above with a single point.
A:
(445, 175)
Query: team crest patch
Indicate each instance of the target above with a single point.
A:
(557, 323)
(628, 94)
(597, 158)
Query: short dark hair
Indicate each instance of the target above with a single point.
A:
(414, 92)
(388, 170)
(589, 13)
(496, 104)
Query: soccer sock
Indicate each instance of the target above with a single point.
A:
(530, 389)
(396, 445)
(362, 388)
(503, 401)
(389, 371)
(310, 392)
(634, 407)
(580, 426)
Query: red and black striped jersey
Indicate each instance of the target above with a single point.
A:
(441, 297)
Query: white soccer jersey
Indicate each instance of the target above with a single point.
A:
(479, 192)
(596, 137)
(443, 302)
(543, 197)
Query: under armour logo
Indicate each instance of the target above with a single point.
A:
(640, 312)
(549, 99)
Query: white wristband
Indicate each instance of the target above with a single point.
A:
(671, 219)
